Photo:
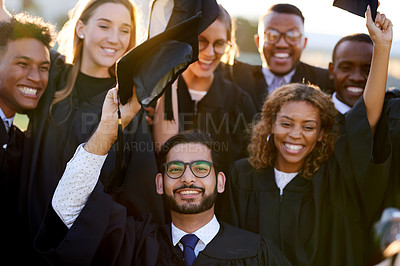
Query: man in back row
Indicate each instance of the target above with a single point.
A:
(280, 42)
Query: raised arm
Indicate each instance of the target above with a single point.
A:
(4, 14)
(374, 93)
(164, 129)
(83, 170)
(106, 133)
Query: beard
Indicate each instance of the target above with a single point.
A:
(191, 208)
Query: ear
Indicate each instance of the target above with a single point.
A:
(321, 135)
(257, 41)
(159, 184)
(305, 42)
(79, 29)
(221, 179)
(330, 68)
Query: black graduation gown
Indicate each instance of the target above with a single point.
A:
(53, 140)
(393, 113)
(13, 236)
(225, 113)
(104, 235)
(325, 220)
(251, 79)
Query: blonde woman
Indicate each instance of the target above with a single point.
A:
(97, 34)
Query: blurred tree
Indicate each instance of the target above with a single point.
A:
(245, 35)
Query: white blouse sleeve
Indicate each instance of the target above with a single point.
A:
(77, 183)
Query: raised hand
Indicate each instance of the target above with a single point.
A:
(381, 34)
(107, 131)
(380, 31)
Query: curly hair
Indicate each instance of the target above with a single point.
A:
(23, 25)
(262, 149)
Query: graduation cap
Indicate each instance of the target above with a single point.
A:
(358, 7)
(154, 65)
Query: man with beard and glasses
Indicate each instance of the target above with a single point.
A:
(85, 226)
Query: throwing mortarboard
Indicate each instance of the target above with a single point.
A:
(358, 7)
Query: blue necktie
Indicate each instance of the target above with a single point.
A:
(276, 83)
(189, 241)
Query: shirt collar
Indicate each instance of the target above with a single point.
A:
(269, 76)
(205, 233)
(340, 106)
(5, 119)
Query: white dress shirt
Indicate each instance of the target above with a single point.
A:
(340, 106)
(205, 235)
(270, 77)
(7, 121)
(282, 179)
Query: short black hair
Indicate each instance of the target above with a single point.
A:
(286, 9)
(190, 136)
(23, 25)
(357, 37)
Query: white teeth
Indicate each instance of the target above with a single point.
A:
(282, 55)
(205, 61)
(355, 89)
(293, 147)
(27, 90)
(109, 50)
(189, 192)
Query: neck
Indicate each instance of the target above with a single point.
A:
(192, 222)
(93, 70)
(8, 112)
(197, 83)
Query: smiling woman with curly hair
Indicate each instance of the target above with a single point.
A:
(263, 152)
(312, 192)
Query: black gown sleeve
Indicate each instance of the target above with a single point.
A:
(103, 234)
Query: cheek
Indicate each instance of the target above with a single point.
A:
(125, 40)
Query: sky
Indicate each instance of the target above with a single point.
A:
(320, 15)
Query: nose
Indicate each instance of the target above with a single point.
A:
(296, 132)
(188, 176)
(281, 41)
(357, 75)
(209, 50)
(34, 74)
(113, 36)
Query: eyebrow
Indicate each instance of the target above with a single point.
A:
(30, 59)
(108, 20)
(291, 119)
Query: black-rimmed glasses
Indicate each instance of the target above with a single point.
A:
(220, 46)
(199, 168)
(291, 37)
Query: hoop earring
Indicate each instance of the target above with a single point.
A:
(322, 147)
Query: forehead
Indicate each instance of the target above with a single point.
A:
(114, 12)
(283, 22)
(299, 110)
(29, 48)
(354, 51)
(188, 152)
(217, 30)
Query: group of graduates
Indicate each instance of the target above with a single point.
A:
(305, 159)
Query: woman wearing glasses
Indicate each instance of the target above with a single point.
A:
(203, 99)
(311, 192)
